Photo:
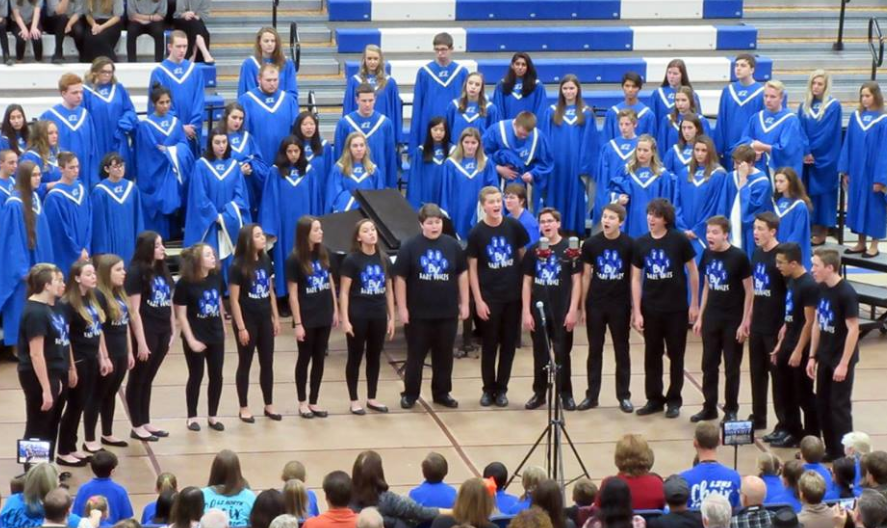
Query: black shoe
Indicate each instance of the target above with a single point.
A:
(704, 415)
(568, 403)
(118, 443)
(216, 426)
(586, 404)
(273, 416)
(785, 441)
(193, 426)
(320, 414)
(308, 415)
(868, 255)
(486, 399)
(58, 59)
(88, 450)
(81, 462)
(729, 416)
(378, 408)
(248, 419)
(160, 433)
(360, 411)
(650, 408)
(673, 411)
(538, 400)
(406, 402)
(775, 435)
(501, 400)
(626, 406)
(447, 401)
(150, 438)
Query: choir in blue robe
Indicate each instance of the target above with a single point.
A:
(864, 160)
(462, 182)
(695, 201)
(670, 132)
(742, 205)
(662, 101)
(531, 225)
(435, 87)
(380, 138)
(676, 158)
(49, 171)
(611, 165)
(18, 259)
(7, 186)
(737, 105)
(117, 218)
(794, 225)
(458, 121)
(185, 82)
(114, 118)
(641, 185)
(249, 77)
(426, 177)
(388, 101)
(341, 185)
(322, 162)
(269, 119)
(532, 155)
(245, 150)
(575, 157)
(287, 198)
(511, 105)
(161, 174)
(6, 143)
(782, 131)
(821, 124)
(77, 134)
(67, 210)
(646, 121)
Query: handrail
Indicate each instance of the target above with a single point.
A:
(295, 45)
(312, 105)
(274, 4)
(877, 51)
(839, 44)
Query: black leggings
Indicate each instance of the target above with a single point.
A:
(79, 399)
(43, 425)
(369, 337)
(135, 29)
(102, 45)
(311, 351)
(192, 28)
(141, 377)
(214, 358)
(56, 24)
(261, 337)
(36, 45)
(104, 400)
(4, 41)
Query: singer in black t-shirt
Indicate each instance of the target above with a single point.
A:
(552, 278)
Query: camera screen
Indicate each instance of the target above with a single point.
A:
(33, 451)
(738, 433)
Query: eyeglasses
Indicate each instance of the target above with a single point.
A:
(106, 72)
(116, 165)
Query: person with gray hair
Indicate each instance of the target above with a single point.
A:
(370, 518)
(716, 511)
(871, 510)
(214, 518)
(751, 497)
(285, 521)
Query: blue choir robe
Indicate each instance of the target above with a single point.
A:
(388, 101)
(7, 186)
(287, 198)
(611, 164)
(380, 138)
(185, 82)
(864, 160)
(531, 225)
(322, 162)
(117, 218)
(6, 143)
(662, 102)
(696, 199)
(782, 131)
(741, 205)
(67, 209)
(794, 225)
(531, 155)
(49, 171)
(575, 158)
(245, 150)
(641, 185)
(646, 121)
(462, 182)
(821, 124)
(77, 134)
(426, 177)
(114, 118)
(670, 132)
(511, 105)
(458, 121)
(269, 119)
(249, 77)
(678, 158)
(340, 185)
(433, 90)
(737, 105)
(161, 175)
(18, 259)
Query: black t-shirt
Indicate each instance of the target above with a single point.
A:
(768, 309)
(431, 269)
(610, 261)
(662, 262)
(156, 292)
(552, 280)
(724, 272)
(836, 305)
(801, 293)
(315, 292)
(85, 334)
(255, 291)
(498, 263)
(367, 295)
(203, 300)
(40, 319)
(115, 330)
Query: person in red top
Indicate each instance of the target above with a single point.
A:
(634, 459)
(337, 488)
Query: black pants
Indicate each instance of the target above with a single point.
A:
(261, 338)
(499, 337)
(597, 320)
(102, 45)
(438, 337)
(192, 28)
(369, 338)
(719, 339)
(36, 45)
(664, 333)
(135, 29)
(141, 377)
(760, 369)
(56, 24)
(312, 351)
(563, 347)
(43, 425)
(79, 399)
(214, 359)
(835, 407)
(793, 389)
(4, 41)
(104, 400)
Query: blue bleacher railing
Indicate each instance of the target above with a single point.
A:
(295, 45)
(876, 45)
(839, 44)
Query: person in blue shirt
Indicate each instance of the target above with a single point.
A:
(295, 470)
(740, 100)
(791, 474)
(354, 170)
(103, 464)
(769, 467)
(227, 490)
(643, 179)
(612, 158)
(662, 100)
(844, 474)
(165, 482)
(793, 206)
(425, 178)
(497, 471)
(76, 128)
(680, 155)
(531, 476)
(856, 445)
(471, 109)
(43, 149)
(520, 90)
(646, 121)
(372, 72)
(245, 150)
(434, 493)
(670, 125)
(267, 49)
(813, 454)
(466, 172)
(68, 210)
(185, 82)
(775, 133)
(747, 192)
(516, 205)
(710, 476)
(110, 106)
(380, 135)
(117, 217)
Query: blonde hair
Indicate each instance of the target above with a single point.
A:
(364, 72)
(480, 156)
(295, 498)
(40, 480)
(474, 504)
(655, 163)
(346, 163)
(826, 93)
(531, 478)
(293, 470)
(39, 141)
(769, 464)
(633, 455)
(97, 502)
(776, 85)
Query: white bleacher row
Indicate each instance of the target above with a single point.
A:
(35, 106)
(44, 78)
(144, 47)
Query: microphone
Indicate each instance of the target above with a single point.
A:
(544, 249)
(541, 309)
(572, 252)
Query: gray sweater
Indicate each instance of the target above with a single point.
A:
(4, 8)
(200, 7)
(25, 9)
(97, 12)
(146, 7)
(401, 512)
(75, 7)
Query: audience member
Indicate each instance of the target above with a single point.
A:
(530, 478)
(165, 482)
(104, 464)
(813, 453)
(56, 507)
(677, 494)
(874, 470)
(228, 491)
(584, 496)
(710, 476)
(187, 508)
(791, 474)
(505, 502)
(370, 518)
(870, 512)
(857, 444)
(473, 507)
(814, 513)
(531, 518)
(751, 499)
(337, 490)
(215, 518)
(97, 506)
(267, 507)
(615, 508)
(769, 467)
(285, 521)
(716, 511)
(634, 459)
(434, 493)
(548, 497)
(295, 498)
(844, 476)
(296, 470)
(163, 510)
(26, 508)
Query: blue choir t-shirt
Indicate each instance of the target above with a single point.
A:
(437, 495)
(711, 477)
(238, 507)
